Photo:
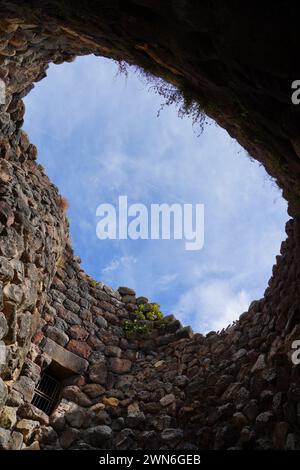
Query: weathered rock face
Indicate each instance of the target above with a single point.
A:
(169, 388)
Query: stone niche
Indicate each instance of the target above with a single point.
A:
(169, 388)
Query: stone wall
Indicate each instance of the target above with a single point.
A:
(112, 390)
(169, 388)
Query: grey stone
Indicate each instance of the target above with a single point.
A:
(184, 332)
(101, 322)
(97, 356)
(239, 354)
(72, 306)
(3, 326)
(57, 335)
(167, 399)
(68, 437)
(78, 418)
(14, 293)
(161, 421)
(6, 270)
(150, 440)
(129, 299)
(181, 381)
(58, 296)
(24, 323)
(113, 351)
(14, 399)
(98, 373)
(118, 424)
(135, 419)
(264, 420)
(93, 390)
(16, 441)
(5, 436)
(60, 323)
(8, 417)
(26, 387)
(126, 291)
(46, 435)
(29, 411)
(98, 435)
(260, 364)
(125, 439)
(101, 417)
(251, 410)
(74, 394)
(171, 436)
(31, 370)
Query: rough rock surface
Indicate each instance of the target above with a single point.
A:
(237, 388)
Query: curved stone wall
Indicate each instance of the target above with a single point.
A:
(170, 388)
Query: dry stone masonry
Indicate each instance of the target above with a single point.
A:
(164, 388)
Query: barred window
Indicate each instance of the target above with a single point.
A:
(46, 393)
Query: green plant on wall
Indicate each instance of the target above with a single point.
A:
(180, 95)
(145, 316)
(149, 312)
(135, 326)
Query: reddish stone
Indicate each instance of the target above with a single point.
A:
(126, 402)
(79, 333)
(93, 390)
(58, 284)
(38, 337)
(119, 366)
(80, 348)
(70, 317)
(279, 435)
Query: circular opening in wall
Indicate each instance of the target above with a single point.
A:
(99, 138)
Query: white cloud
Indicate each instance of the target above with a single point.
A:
(212, 305)
(165, 282)
(123, 262)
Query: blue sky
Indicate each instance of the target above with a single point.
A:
(99, 137)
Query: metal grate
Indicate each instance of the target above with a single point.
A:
(46, 394)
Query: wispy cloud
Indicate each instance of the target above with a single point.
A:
(165, 282)
(122, 262)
